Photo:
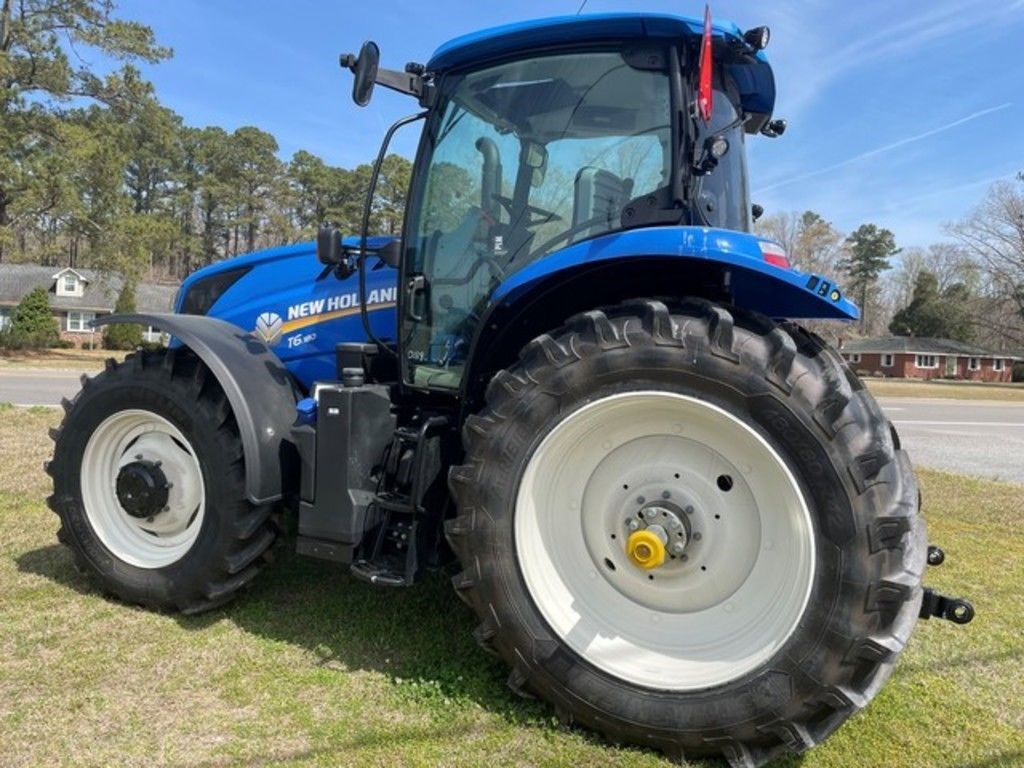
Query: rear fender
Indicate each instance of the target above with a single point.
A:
(754, 283)
(258, 387)
(714, 264)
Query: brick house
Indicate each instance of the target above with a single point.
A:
(910, 357)
(77, 297)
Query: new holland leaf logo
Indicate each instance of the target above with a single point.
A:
(268, 327)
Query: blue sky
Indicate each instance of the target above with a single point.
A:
(900, 112)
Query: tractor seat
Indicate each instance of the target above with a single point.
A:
(599, 198)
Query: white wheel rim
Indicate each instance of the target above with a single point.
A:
(687, 628)
(138, 435)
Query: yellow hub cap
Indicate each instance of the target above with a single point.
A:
(645, 549)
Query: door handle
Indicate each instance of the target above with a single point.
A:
(415, 294)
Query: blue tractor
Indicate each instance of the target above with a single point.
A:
(679, 517)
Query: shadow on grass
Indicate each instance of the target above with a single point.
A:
(420, 637)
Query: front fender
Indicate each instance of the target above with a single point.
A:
(754, 283)
(258, 387)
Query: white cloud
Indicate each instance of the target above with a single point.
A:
(821, 45)
(886, 147)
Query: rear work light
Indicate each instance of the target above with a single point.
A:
(773, 253)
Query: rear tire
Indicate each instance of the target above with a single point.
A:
(203, 540)
(789, 391)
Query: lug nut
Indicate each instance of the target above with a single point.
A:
(678, 547)
(632, 524)
(665, 495)
(689, 510)
(650, 513)
(640, 499)
(697, 536)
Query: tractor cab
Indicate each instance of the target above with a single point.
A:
(557, 133)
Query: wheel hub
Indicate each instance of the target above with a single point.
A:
(646, 548)
(142, 488)
(659, 530)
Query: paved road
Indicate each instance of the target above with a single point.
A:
(37, 387)
(975, 437)
(984, 438)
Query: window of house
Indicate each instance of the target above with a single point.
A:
(70, 283)
(5, 318)
(78, 322)
(974, 364)
(853, 357)
(926, 361)
(887, 361)
(997, 364)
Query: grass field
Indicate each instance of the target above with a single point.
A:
(311, 668)
(85, 360)
(956, 391)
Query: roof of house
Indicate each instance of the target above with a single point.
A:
(99, 292)
(919, 345)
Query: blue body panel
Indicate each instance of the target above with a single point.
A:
(314, 315)
(756, 284)
(754, 80)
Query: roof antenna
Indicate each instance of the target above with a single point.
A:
(582, 6)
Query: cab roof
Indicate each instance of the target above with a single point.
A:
(753, 77)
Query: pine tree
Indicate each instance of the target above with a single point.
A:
(124, 335)
(869, 251)
(32, 323)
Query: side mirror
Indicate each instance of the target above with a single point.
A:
(365, 69)
(391, 254)
(328, 246)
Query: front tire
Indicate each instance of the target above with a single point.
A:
(799, 580)
(149, 484)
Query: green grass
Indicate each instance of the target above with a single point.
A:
(86, 360)
(311, 668)
(953, 390)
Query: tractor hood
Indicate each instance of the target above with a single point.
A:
(750, 70)
(278, 253)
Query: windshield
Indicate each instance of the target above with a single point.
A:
(519, 160)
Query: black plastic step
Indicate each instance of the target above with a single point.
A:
(378, 574)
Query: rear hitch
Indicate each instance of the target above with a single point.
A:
(954, 609)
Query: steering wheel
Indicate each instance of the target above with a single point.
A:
(506, 203)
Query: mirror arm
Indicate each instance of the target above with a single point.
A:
(403, 82)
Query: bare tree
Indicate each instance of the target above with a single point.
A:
(993, 235)
(812, 243)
